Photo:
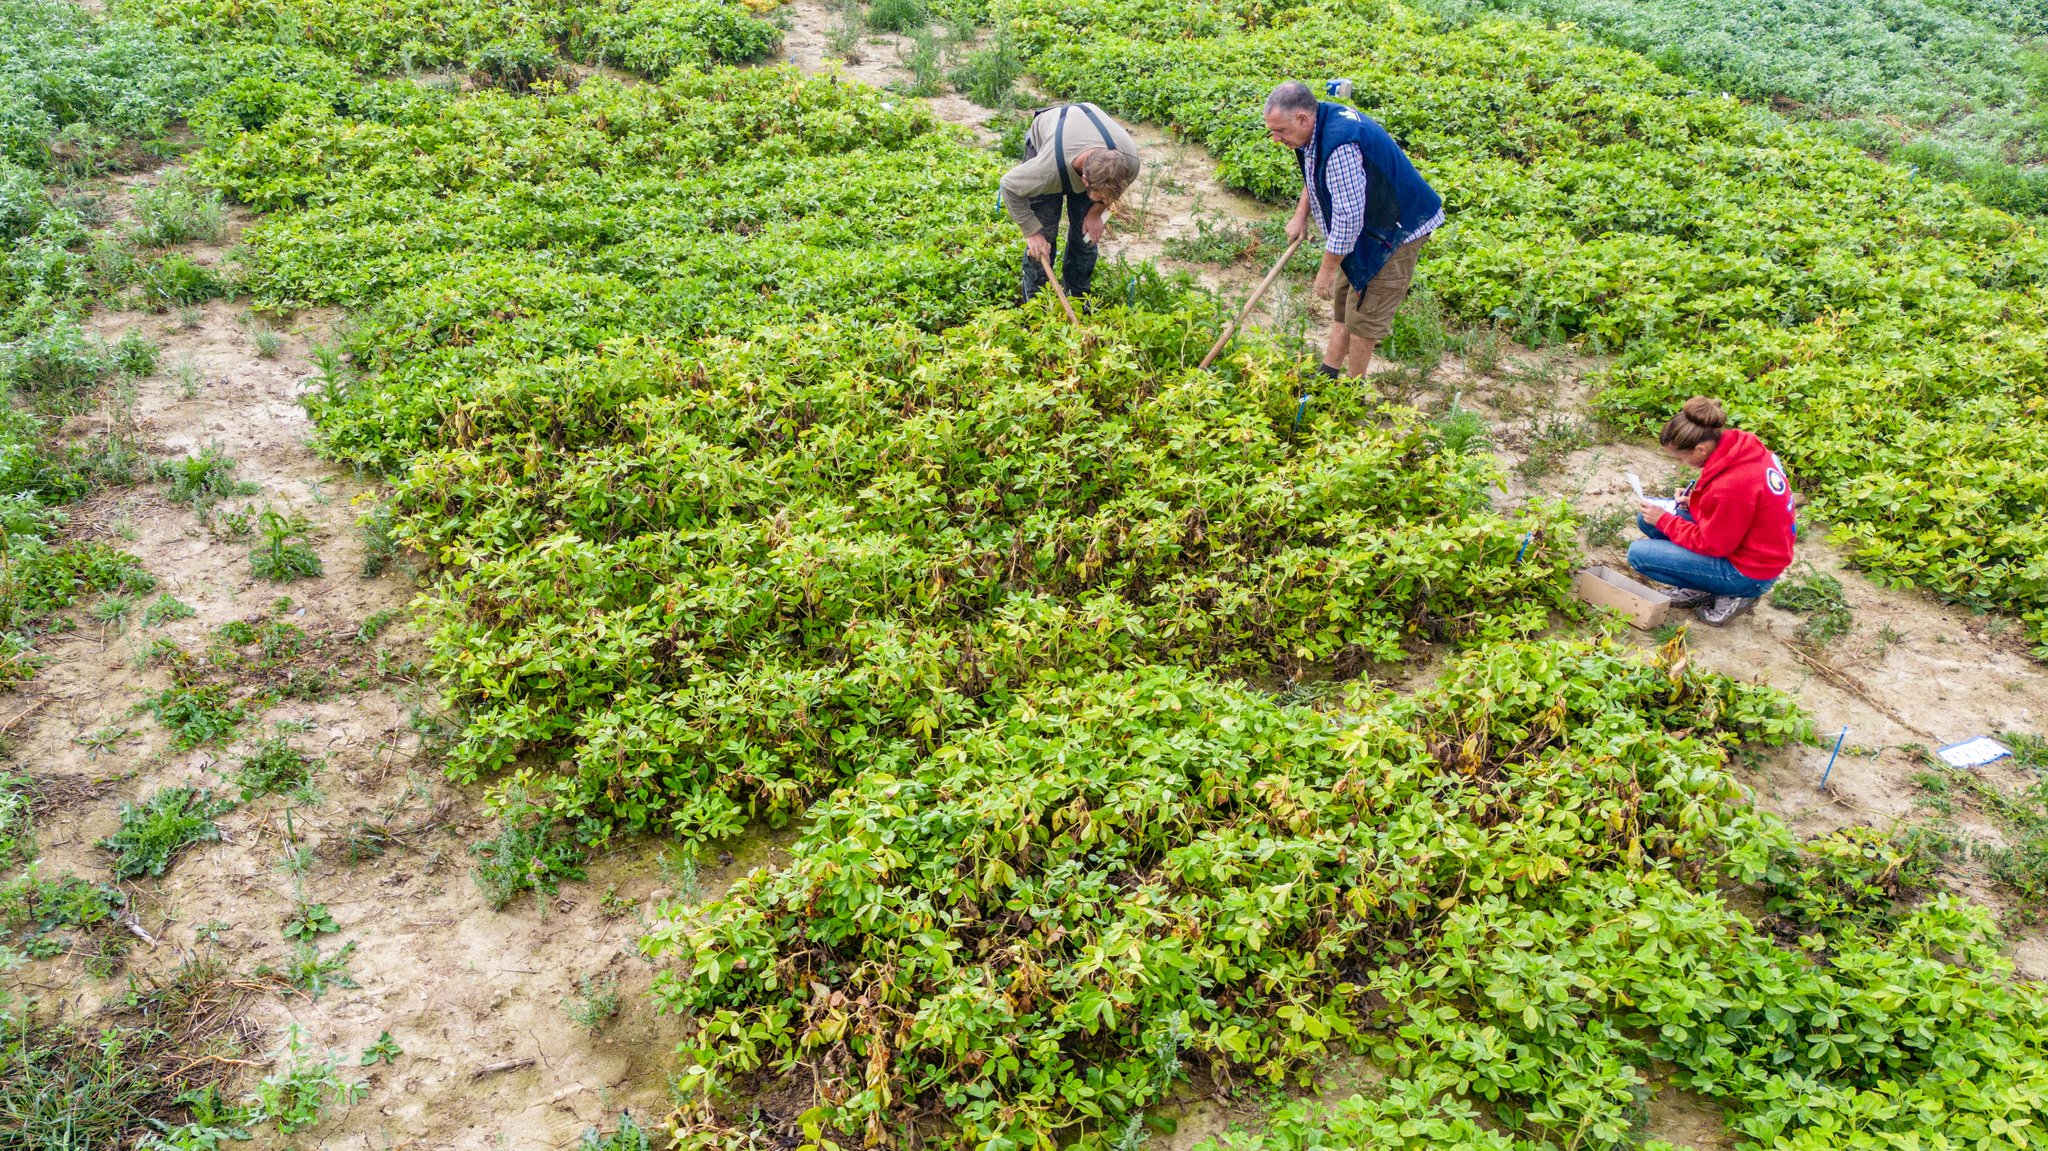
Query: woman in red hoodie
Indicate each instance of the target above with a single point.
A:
(1732, 534)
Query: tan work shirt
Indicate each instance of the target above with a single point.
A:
(1040, 175)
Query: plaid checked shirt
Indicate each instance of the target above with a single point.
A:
(1347, 200)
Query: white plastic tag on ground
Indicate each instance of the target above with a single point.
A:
(1973, 752)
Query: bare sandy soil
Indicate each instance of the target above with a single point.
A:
(475, 997)
(459, 987)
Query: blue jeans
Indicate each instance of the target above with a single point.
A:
(1666, 562)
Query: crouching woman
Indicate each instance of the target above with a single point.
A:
(1731, 536)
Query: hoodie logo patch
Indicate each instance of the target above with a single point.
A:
(1775, 480)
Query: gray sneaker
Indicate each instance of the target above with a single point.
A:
(1685, 597)
(1725, 608)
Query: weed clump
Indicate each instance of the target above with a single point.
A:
(989, 75)
(178, 211)
(904, 16)
(203, 479)
(1818, 596)
(285, 554)
(529, 853)
(154, 832)
(146, 1075)
(595, 1003)
(196, 713)
(274, 767)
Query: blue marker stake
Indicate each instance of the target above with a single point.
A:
(1831, 759)
(1300, 410)
(1523, 550)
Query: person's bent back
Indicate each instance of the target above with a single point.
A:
(1732, 533)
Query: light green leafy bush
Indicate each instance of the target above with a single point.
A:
(1031, 924)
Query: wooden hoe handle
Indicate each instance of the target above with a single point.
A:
(1057, 290)
(1230, 329)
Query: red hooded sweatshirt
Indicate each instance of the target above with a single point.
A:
(1743, 509)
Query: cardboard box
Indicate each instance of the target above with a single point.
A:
(1602, 586)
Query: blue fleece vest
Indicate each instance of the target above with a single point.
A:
(1397, 199)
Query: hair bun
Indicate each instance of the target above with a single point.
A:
(1706, 412)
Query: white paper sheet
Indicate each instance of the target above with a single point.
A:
(1636, 482)
(1973, 752)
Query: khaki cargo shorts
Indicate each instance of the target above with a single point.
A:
(1368, 314)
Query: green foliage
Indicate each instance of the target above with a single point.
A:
(298, 1093)
(153, 832)
(285, 555)
(989, 74)
(273, 767)
(37, 580)
(212, 1125)
(1418, 338)
(1555, 1015)
(166, 608)
(2021, 861)
(380, 543)
(57, 359)
(1855, 877)
(113, 609)
(595, 1003)
(178, 211)
(1607, 529)
(629, 1135)
(202, 479)
(515, 63)
(309, 920)
(1818, 596)
(1408, 1114)
(122, 1079)
(1460, 432)
(922, 61)
(267, 341)
(1951, 79)
(529, 853)
(1149, 513)
(510, 44)
(17, 823)
(32, 906)
(384, 1050)
(1882, 334)
(1223, 243)
(175, 279)
(657, 37)
(136, 353)
(1027, 925)
(74, 88)
(196, 713)
(782, 182)
(1158, 514)
(314, 974)
(904, 16)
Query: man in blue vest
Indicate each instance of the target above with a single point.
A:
(1374, 209)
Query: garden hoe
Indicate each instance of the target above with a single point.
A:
(1230, 329)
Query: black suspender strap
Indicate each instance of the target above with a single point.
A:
(1059, 150)
(1059, 141)
(1108, 141)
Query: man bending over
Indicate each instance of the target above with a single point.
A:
(1076, 158)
